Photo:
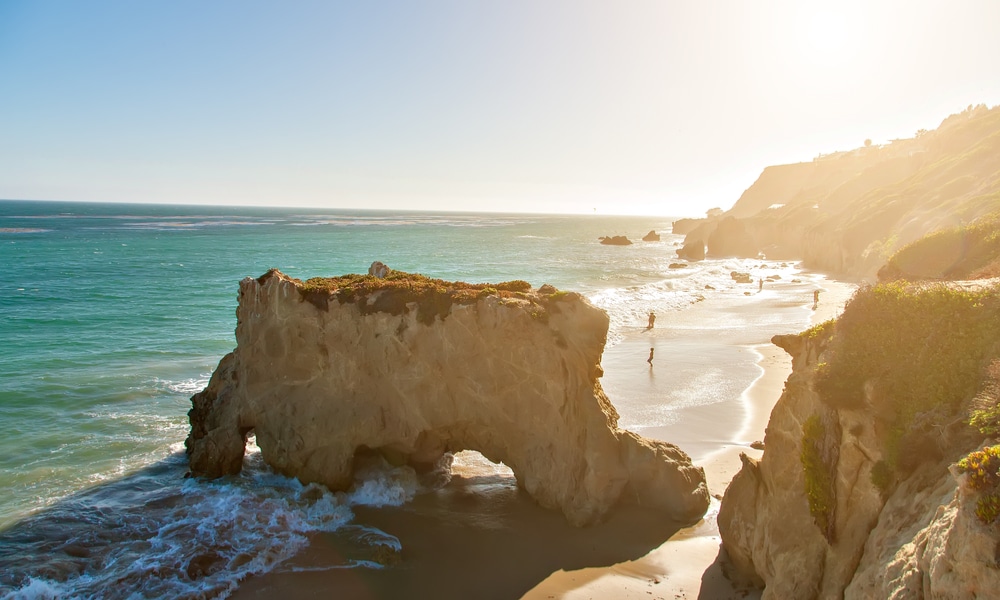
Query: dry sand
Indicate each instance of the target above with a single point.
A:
(688, 564)
(481, 537)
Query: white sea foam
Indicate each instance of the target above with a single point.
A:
(206, 536)
(187, 387)
(150, 537)
(39, 589)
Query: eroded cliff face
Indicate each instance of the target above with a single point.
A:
(318, 374)
(848, 212)
(800, 536)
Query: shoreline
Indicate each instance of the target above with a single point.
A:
(688, 565)
(482, 537)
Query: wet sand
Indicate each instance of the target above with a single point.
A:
(718, 376)
(688, 565)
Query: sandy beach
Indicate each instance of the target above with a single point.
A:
(481, 537)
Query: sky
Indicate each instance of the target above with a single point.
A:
(614, 107)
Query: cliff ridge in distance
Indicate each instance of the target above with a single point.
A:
(847, 212)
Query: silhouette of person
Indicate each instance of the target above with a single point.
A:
(650, 359)
(652, 319)
(760, 284)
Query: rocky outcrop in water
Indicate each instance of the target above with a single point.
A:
(413, 368)
(616, 240)
(692, 250)
(652, 236)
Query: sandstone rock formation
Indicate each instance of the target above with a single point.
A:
(692, 250)
(831, 533)
(616, 240)
(731, 238)
(652, 236)
(414, 368)
(685, 226)
(848, 212)
(741, 277)
(379, 269)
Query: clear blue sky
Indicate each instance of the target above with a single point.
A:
(650, 107)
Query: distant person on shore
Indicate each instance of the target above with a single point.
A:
(650, 359)
(815, 299)
(652, 319)
(760, 284)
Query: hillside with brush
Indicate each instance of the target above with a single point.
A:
(849, 212)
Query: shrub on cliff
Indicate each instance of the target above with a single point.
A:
(818, 475)
(911, 351)
(966, 252)
(434, 297)
(983, 470)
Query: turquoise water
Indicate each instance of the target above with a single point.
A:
(112, 316)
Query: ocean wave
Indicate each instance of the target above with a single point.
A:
(628, 307)
(174, 225)
(187, 387)
(149, 535)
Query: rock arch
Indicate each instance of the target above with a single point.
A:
(324, 367)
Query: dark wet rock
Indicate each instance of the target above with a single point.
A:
(615, 240)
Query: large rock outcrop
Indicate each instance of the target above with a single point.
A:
(848, 212)
(765, 521)
(414, 368)
(824, 513)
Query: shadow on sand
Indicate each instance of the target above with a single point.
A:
(478, 537)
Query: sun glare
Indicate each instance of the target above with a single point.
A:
(825, 38)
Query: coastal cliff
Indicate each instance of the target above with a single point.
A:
(848, 212)
(879, 477)
(413, 368)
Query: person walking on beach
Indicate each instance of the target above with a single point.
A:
(815, 297)
(650, 359)
(652, 319)
(760, 284)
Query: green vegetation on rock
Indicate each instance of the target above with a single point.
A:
(983, 469)
(392, 293)
(985, 412)
(820, 330)
(965, 252)
(818, 475)
(916, 356)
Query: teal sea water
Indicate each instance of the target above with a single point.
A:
(112, 316)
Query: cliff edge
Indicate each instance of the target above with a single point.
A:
(880, 476)
(848, 212)
(413, 368)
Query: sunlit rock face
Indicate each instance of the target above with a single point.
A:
(922, 541)
(765, 522)
(323, 370)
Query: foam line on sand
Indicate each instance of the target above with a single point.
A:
(688, 565)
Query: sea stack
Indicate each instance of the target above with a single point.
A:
(414, 368)
(615, 240)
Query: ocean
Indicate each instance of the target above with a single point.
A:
(113, 315)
